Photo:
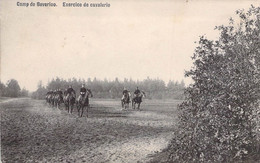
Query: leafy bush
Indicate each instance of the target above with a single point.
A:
(219, 119)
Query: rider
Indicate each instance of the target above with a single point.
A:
(59, 92)
(125, 91)
(83, 92)
(70, 91)
(137, 93)
(47, 95)
(55, 92)
(65, 92)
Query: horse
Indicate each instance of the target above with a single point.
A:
(46, 98)
(58, 99)
(52, 100)
(83, 102)
(125, 101)
(69, 102)
(138, 100)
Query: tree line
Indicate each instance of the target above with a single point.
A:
(154, 88)
(12, 89)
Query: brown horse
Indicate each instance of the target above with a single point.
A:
(83, 102)
(138, 100)
(48, 99)
(58, 99)
(69, 102)
(125, 101)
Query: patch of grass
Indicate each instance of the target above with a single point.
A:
(33, 131)
(4, 98)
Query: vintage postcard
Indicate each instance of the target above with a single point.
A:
(126, 60)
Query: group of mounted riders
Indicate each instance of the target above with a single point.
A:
(68, 97)
(136, 99)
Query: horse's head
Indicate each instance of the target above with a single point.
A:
(126, 95)
(142, 94)
(89, 93)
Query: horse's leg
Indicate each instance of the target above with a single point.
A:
(87, 110)
(81, 113)
(78, 108)
(138, 106)
(57, 104)
(71, 108)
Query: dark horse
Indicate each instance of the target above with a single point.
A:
(138, 100)
(125, 101)
(52, 97)
(83, 102)
(69, 102)
(58, 99)
(48, 99)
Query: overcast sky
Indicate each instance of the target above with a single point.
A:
(130, 39)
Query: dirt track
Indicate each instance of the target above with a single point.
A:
(31, 131)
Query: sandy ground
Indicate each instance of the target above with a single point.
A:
(31, 131)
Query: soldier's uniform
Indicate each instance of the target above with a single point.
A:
(137, 93)
(71, 91)
(83, 91)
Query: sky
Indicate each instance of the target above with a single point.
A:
(130, 39)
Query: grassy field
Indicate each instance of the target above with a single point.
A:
(31, 131)
(4, 98)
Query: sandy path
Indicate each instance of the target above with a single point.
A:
(34, 132)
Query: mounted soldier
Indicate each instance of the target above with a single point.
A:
(65, 92)
(59, 92)
(83, 91)
(137, 93)
(83, 100)
(71, 91)
(47, 96)
(69, 99)
(137, 99)
(58, 98)
(126, 97)
(126, 93)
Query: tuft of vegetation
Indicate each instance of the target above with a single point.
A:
(219, 118)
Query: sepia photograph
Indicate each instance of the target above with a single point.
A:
(132, 81)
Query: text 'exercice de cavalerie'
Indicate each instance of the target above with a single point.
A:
(63, 4)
